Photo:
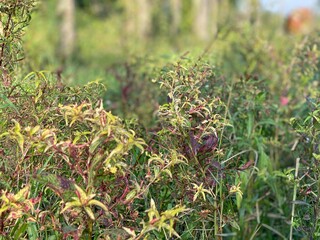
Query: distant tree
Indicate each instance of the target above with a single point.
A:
(137, 18)
(129, 15)
(144, 18)
(206, 18)
(224, 8)
(176, 11)
(66, 12)
(255, 9)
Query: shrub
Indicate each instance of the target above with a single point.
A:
(305, 197)
(15, 16)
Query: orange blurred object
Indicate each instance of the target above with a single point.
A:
(300, 21)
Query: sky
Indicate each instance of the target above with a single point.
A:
(286, 6)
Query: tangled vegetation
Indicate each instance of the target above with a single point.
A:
(224, 157)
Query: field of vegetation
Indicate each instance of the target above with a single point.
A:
(166, 135)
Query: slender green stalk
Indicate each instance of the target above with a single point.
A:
(221, 206)
(294, 197)
(90, 228)
(218, 229)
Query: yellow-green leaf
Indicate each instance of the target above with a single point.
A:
(131, 195)
(38, 95)
(89, 212)
(3, 209)
(235, 225)
(98, 203)
(95, 143)
(22, 194)
(71, 205)
(34, 130)
(130, 232)
(17, 127)
(4, 134)
(83, 194)
(167, 171)
(117, 150)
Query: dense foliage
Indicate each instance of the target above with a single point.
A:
(206, 149)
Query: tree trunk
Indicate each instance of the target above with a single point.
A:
(214, 7)
(253, 12)
(144, 18)
(206, 18)
(137, 18)
(228, 12)
(66, 11)
(176, 7)
(130, 20)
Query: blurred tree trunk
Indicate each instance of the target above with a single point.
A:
(253, 12)
(206, 18)
(130, 12)
(227, 9)
(213, 25)
(138, 18)
(66, 11)
(176, 8)
(144, 18)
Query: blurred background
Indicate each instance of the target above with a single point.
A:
(122, 43)
(85, 37)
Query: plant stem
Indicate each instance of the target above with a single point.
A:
(221, 207)
(90, 228)
(294, 196)
(216, 228)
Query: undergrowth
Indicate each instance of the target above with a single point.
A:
(217, 156)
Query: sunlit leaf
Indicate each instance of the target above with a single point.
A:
(130, 232)
(89, 212)
(98, 203)
(22, 194)
(131, 195)
(71, 205)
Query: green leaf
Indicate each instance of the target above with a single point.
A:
(174, 211)
(131, 195)
(20, 230)
(316, 156)
(8, 103)
(95, 143)
(250, 124)
(38, 96)
(117, 150)
(152, 211)
(234, 224)
(171, 230)
(17, 127)
(16, 134)
(32, 231)
(4, 134)
(4, 208)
